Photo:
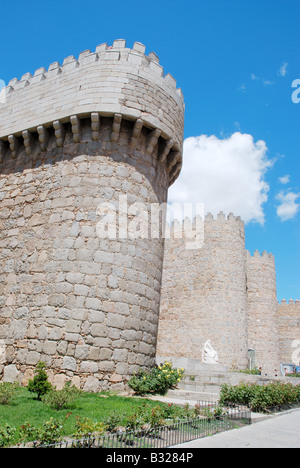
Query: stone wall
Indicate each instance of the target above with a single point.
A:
(221, 293)
(71, 142)
(289, 331)
(204, 295)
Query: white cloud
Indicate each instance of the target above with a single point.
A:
(243, 88)
(288, 207)
(285, 179)
(264, 81)
(268, 82)
(224, 174)
(283, 69)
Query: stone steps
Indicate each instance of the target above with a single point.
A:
(199, 387)
(188, 396)
(207, 383)
(204, 387)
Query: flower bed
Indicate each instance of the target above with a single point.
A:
(261, 398)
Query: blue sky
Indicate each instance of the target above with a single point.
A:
(235, 61)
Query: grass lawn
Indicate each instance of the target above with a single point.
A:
(95, 406)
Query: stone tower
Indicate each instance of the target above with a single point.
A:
(289, 331)
(74, 138)
(204, 295)
(262, 308)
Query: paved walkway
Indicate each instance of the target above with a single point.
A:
(280, 431)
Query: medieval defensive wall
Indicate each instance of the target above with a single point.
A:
(218, 291)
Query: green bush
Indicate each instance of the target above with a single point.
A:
(148, 418)
(8, 392)
(113, 421)
(158, 381)
(254, 371)
(27, 433)
(39, 384)
(86, 428)
(7, 434)
(49, 433)
(261, 397)
(59, 399)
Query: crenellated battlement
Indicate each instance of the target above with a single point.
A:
(103, 53)
(112, 82)
(222, 217)
(198, 227)
(291, 302)
(192, 222)
(262, 256)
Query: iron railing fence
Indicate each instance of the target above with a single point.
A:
(231, 411)
(211, 420)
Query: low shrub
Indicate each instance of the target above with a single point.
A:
(261, 398)
(7, 434)
(50, 432)
(254, 371)
(59, 399)
(158, 381)
(85, 428)
(113, 422)
(8, 392)
(147, 417)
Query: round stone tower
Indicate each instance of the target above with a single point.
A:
(86, 148)
(204, 295)
(263, 312)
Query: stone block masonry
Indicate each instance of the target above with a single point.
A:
(289, 331)
(204, 294)
(262, 309)
(72, 138)
(221, 293)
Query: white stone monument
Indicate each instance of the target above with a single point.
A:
(209, 355)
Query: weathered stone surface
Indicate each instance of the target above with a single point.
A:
(91, 384)
(69, 363)
(219, 292)
(289, 331)
(262, 309)
(11, 373)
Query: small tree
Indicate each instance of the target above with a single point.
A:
(40, 384)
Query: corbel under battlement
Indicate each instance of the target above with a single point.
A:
(38, 140)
